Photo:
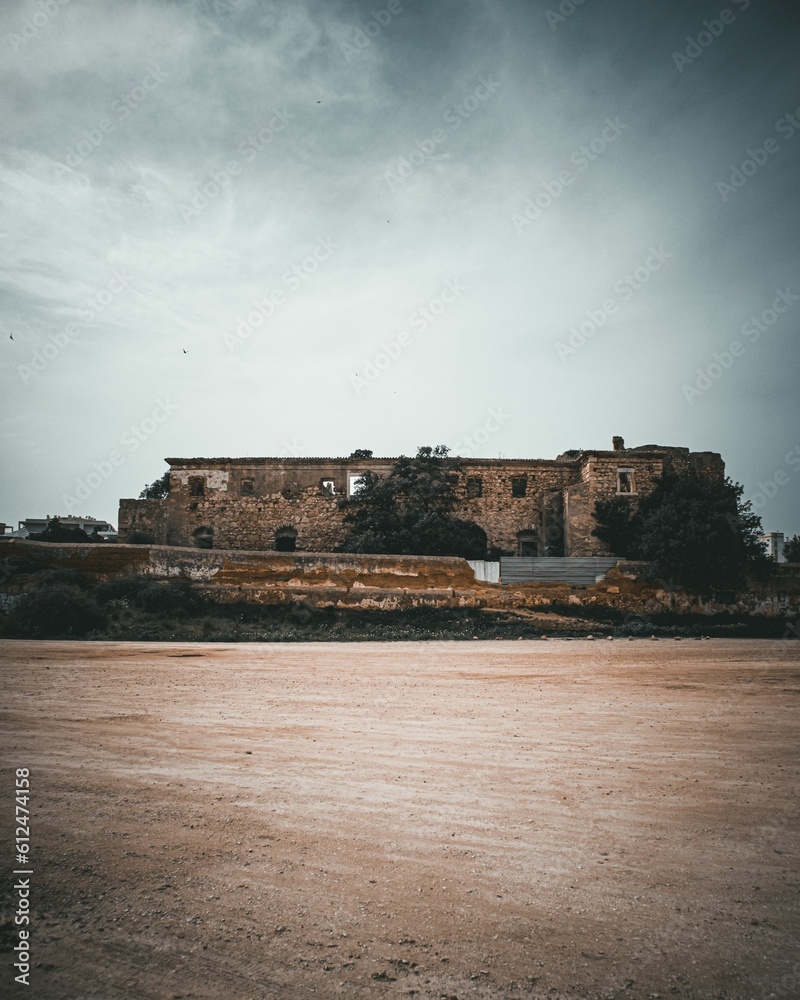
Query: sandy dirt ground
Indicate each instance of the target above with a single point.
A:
(472, 820)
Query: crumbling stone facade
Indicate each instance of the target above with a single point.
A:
(525, 506)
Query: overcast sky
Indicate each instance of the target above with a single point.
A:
(243, 228)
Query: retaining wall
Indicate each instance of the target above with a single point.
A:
(240, 568)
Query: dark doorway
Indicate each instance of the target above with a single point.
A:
(285, 540)
(528, 543)
(204, 538)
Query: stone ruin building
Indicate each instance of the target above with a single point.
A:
(526, 507)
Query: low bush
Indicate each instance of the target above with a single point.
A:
(140, 538)
(69, 577)
(176, 600)
(123, 588)
(55, 611)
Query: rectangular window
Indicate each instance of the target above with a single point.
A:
(353, 483)
(197, 486)
(328, 486)
(474, 487)
(519, 486)
(247, 488)
(625, 481)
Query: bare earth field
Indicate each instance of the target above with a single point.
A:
(471, 820)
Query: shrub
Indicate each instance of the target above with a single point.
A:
(57, 532)
(695, 529)
(170, 600)
(123, 588)
(69, 577)
(55, 611)
(140, 538)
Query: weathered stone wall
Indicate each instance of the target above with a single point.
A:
(600, 481)
(504, 516)
(250, 520)
(150, 516)
(271, 476)
(236, 568)
(600, 472)
(579, 522)
(243, 503)
(707, 463)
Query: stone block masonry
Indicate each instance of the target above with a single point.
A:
(532, 507)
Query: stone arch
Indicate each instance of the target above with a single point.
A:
(203, 537)
(285, 539)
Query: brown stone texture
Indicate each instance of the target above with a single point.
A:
(244, 503)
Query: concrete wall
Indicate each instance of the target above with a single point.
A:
(485, 571)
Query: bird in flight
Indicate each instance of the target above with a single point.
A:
(185, 351)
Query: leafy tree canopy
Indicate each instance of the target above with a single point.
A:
(410, 510)
(158, 490)
(55, 531)
(697, 530)
(791, 549)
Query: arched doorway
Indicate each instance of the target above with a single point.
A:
(204, 537)
(285, 540)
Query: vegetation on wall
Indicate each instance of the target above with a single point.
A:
(697, 530)
(410, 511)
(791, 549)
(157, 490)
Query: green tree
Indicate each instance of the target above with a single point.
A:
(617, 525)
(410, 511)
(791, 549)
(698, 531)
(58, 532)
(158, 490)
